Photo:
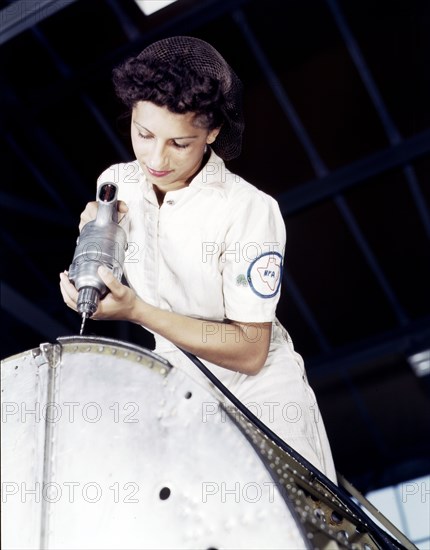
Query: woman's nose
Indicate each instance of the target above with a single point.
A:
(158, 158)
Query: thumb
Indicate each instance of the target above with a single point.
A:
(108, 278)
(122, 207)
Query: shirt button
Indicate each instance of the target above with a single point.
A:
(170, 202)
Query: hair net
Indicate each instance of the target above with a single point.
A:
(206, 60)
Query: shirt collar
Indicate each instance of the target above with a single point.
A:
(213, 175)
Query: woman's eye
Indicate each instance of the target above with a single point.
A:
(181, 146)
(175, 144)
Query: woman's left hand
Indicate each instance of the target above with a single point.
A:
(117, 305)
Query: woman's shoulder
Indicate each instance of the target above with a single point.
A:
(235, 187)
(242, 192)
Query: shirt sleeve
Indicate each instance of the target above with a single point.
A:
(252, 256)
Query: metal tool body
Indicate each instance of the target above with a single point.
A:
(101, 242)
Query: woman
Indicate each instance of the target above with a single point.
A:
(204, 265)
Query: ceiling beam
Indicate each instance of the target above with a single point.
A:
(320, 189)
(183, 18)
(24, 14)
(387, 121)
(402, 341)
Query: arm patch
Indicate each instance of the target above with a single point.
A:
(265, 274)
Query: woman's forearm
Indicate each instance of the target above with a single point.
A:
(241, 347)
(235, 346)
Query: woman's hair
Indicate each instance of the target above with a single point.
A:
(187, 75)
(170, 84)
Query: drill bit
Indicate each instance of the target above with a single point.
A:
(88, 300)
(84, 318)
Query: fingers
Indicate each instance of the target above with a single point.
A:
(68, 291)
(122, 207)
(88, 214)
(122, 210)
(117, 304)
(106, 275)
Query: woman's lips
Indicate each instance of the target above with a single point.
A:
(158, 174)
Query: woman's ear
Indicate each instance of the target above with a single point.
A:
(213, 135)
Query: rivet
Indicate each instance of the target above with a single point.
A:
(342, 535)
(336, 518)
(319, 514)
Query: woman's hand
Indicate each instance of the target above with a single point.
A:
(118, 304)
(90, 212)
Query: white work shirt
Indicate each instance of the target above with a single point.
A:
(214, 251)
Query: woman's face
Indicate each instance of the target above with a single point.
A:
(168, 147)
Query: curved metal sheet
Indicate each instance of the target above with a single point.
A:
(130, 460)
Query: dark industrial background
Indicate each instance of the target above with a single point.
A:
(337, 129)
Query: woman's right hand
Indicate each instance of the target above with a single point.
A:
(90, 212)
